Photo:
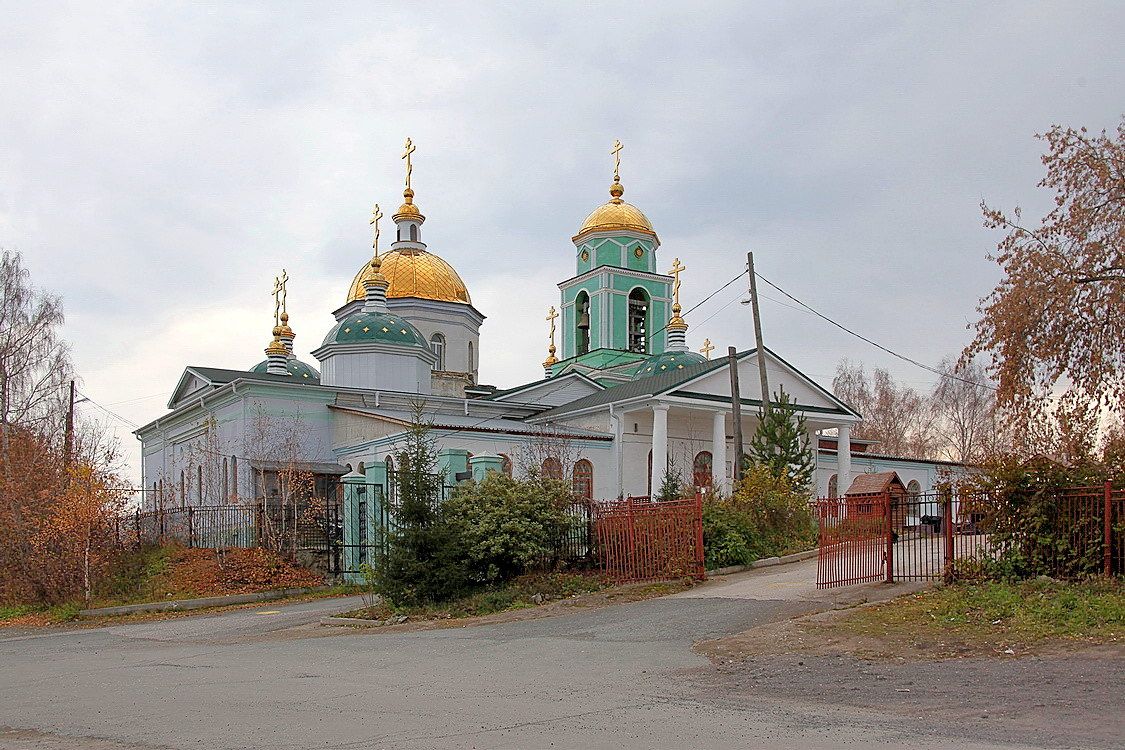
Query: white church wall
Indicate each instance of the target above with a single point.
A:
(457, 323)
(376, 369)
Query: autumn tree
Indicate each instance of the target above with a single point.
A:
(1054, 327)
(898, 418)
(965, 425)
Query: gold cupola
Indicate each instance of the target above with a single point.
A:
(616, 214)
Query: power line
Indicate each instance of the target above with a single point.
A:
(113, 414)
(861, 337)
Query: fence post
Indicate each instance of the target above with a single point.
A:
(700, 554)
(138, 520)
(260, 513)
(190, 527)
(947, 531)
(1107, 523)
(888, 517)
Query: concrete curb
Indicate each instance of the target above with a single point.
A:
(765, 562)
(186, 604)
(352, 622)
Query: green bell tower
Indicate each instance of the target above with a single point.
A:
(614, 308)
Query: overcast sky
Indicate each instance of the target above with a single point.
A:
(160, 163)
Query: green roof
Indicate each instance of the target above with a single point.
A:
(386, 328)
(296, 367)
(661, 363)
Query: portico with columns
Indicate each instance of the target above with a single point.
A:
(683, 417)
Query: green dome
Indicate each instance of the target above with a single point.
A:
(297, 368)
(667, 362)
(386, 328)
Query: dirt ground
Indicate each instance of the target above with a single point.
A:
(1048, 696)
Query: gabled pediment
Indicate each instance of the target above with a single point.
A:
(802, 389)
(191, 384)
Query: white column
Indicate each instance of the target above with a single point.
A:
(844, 460)
(618, 454)
(659, 445)
(814, 446)
(719, 452)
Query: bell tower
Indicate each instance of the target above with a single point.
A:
(614, 307)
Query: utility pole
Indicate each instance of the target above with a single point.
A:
(736, 413)
(68, 455)
(758, 334)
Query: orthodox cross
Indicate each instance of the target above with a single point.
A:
(376, 214)
(277, 300)
(409, 149)
(677, 269)
(284, 281)
(616, 151)
(708, 347)
(552, 314)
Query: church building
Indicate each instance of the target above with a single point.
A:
(622, 394)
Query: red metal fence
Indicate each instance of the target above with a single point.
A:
(1072, 533)
(643, 540)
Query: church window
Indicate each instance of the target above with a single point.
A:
(470, 368)
(183, 487)
(199, 484)
(234, 476)
(437, 346)
(584, 479)
(414, 232)
(701, 470)
(913, 489)
(638, 321)
(582, 324)
(832, 486)
(552, 468)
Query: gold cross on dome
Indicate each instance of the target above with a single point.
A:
(677, 269)
(409, 149)
(552, 314)
(616, 151)
(376, 214)
(277, 300)
(284, 290)
(708, 347)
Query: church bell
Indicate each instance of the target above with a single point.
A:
(584, 319)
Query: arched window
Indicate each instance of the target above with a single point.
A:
(199, 483)
(832, 491)
(582, 323)
(638, 321)
(552, 468)
(390, 465)
(913, 489)
(183, 487)
(506, 464)
(584, 479)
(701, 470)
(414, 232)
(470, 367)
(234, 476)
(437, 346)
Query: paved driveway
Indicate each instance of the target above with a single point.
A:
(617, 677)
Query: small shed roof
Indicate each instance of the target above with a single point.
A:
(883, 481)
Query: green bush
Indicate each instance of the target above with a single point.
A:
(1019, 505)
(765, 516)
(508, 526)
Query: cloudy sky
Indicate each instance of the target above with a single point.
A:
(160, 163)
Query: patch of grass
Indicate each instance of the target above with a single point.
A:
(12, 611)
(520, 593)
(997, 613)
(138, 576)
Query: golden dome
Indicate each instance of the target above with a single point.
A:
(408, 210)
(414, 273)
(616, 214)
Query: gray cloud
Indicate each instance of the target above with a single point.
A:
(161, 163)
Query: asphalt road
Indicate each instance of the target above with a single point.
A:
(618, 677)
